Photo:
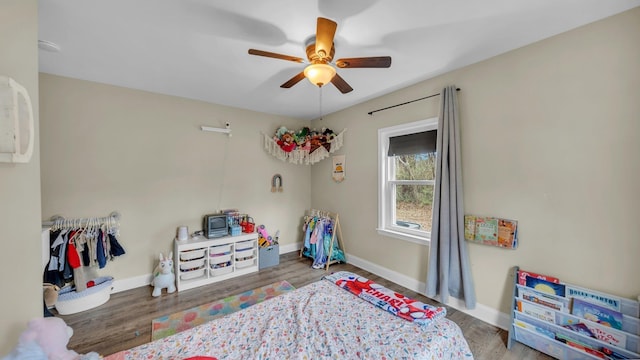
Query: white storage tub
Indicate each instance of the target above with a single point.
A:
(70, 301)
(192, 254)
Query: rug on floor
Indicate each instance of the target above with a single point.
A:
(184, 320)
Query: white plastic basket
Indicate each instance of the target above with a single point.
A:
(70, 301)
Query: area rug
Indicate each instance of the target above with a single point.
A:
(184, 320)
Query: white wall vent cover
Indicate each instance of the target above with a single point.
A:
(16, 122)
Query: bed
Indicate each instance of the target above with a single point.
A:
(318, 321)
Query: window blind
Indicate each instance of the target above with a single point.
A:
(417, 143)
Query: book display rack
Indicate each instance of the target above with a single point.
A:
(571, 322)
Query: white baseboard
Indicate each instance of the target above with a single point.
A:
(131, 283)
(481, 312)
(290, 248)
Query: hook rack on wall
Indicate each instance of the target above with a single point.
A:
(226, 130)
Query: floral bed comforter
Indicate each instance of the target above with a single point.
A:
(317, 321)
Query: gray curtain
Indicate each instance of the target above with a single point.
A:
(449, 271)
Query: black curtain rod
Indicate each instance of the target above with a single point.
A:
(405, 103)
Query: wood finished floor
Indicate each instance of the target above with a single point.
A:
(125, 320)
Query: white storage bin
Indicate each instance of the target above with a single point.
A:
(220, 250)
(221, 271)
(245, 263)
(71, 301)
(245, 245)
(244, 254)
(187, 275)
(220, 259)
(191, 265)
(192, 254)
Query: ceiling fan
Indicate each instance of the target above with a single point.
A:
(320, 52)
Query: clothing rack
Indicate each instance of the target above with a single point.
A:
(335, 236)
(60, 222)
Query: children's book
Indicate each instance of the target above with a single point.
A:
(580, 328)
(491, 231)
(507, 230)
(541, 299)
(600, 332)
(545, 286)
(596, 313)
(486, 230)
(470, 227)
(536, 311)
(608, 301)
(522, 277)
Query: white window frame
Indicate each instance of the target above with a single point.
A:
(386, 195)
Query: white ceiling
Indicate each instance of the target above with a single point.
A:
(197, 49)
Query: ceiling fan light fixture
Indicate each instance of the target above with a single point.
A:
(319, 74)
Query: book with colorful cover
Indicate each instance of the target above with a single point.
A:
(600, 332)
(470, 227)
(541, 299)
(580, 328)
(536, 311)
(486, 230)
(605, 300)
(507, 233)
(545, 286)
(522, 277)
(596, 313)
(491, 231)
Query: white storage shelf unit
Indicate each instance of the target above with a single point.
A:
(536, 332)
(200, 261)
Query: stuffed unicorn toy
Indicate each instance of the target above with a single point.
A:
(163, 276)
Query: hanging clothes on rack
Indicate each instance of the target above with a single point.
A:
(80, 244)
(318, 245)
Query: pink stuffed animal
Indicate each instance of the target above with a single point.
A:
(47, 337)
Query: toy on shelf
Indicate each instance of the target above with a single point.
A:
(264, 239)
(163, 276)
(247, 224)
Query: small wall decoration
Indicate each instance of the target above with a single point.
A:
(304, 146)
(491, 231)
(338, 168)
(276, 183)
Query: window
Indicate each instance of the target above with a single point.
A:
(406, 167)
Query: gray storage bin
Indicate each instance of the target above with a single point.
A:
(269, 256)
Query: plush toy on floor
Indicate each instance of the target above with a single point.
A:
(47, 338)
(163, 276)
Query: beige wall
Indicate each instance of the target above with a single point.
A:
(107, 148)
(20, 183)
(550, 137)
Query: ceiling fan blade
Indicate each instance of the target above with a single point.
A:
(365, 62)
(275, 55)
(325, 32)
(294, 80)
(341, 84)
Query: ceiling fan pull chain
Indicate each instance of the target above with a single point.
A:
(320, 110)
